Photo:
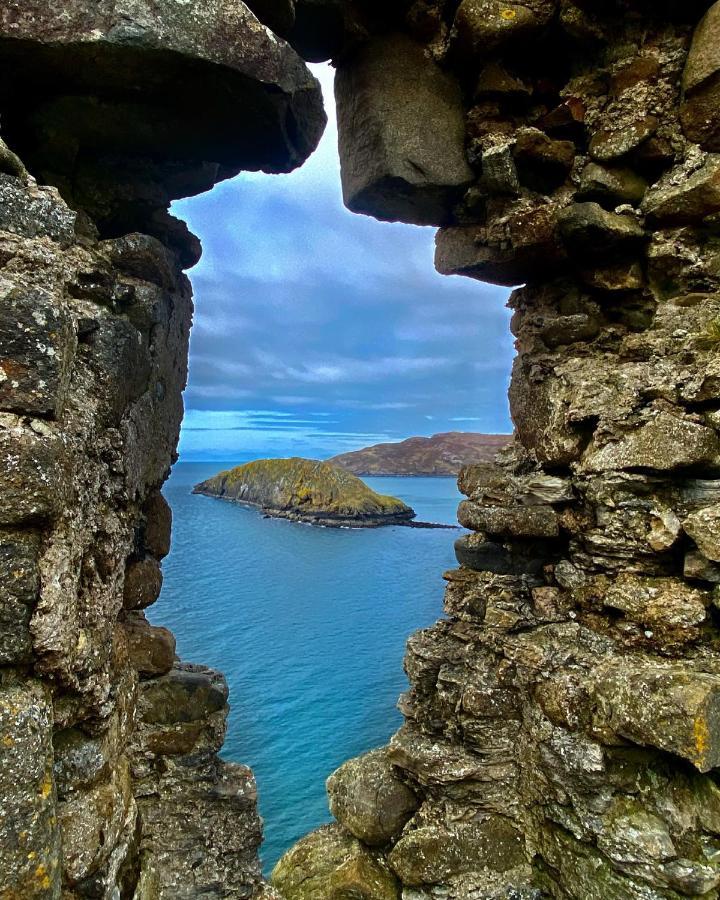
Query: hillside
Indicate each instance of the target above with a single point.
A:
(307, 490)
(441, 454)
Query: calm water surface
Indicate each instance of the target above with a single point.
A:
(309, 626)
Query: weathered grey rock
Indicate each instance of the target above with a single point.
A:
(143, 582)
(158, 524)
(521, 521)
(368, 798)
(664, 442)
(37, 343)
(260, 74)
(665, 706)
(151, 649)
(432, 854)
(685, 194)
(526, 243)
(482, 26)
(401, 134)
(92, 821)
(29, 834)
(701, 85)
(330, 863)
(611, 185)
(32, 211)
(590, 230)
(20, 579)
(703, 527)
(671, 611)
(31, 481)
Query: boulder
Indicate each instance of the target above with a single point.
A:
(20, 578)
(37, 344)
(667, 440)
(143, 581)
(158, 525)
(29, 833)
(663, 705)
(589, 231)
(432, 854)
(670, 609)
(151, 649)
(401, 134)
(150, 88)
(330, 864)
(524, 245)
(611, 185)
(703, 526)
(368, 798)
(482, 26)
(516, 521)
(686, 194)
(701, 83)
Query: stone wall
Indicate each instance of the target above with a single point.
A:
(562, 726)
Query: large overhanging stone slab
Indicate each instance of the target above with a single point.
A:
(701, 83)
(401, 134)
(189, 92)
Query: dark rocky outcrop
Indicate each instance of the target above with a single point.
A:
(441, 454)
(307, 490)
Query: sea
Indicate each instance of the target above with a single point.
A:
(309, 626)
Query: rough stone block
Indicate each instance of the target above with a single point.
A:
(367, 797)
(19, 585)
(482, 26)
(703, 526)
(687, 193)
(29, 834)
(92, 822)
(151, 649)
(186, 694)
(401, 134)
(666, 441)
(143, 582)
(526, 245)
(34, 212)
(432, 854)
(517, 521)
(670, 707)
(37, 342)
(32, 480)
(589, 230)
(158, 525)
(330, 862)
(701, 83)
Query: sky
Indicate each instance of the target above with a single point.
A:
(319, 331)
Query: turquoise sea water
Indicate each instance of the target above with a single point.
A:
(309, 626)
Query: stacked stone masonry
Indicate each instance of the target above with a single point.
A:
(562, 724)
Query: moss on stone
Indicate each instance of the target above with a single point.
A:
(305, 489)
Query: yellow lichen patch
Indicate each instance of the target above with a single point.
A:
(701, 735)
(46, 787)
(508, 14)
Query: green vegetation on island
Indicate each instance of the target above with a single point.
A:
(307, 490)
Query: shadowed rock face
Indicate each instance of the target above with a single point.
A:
(127, 106)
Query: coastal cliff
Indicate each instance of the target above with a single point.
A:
(561, 734)
(307, 490)
(441, 454)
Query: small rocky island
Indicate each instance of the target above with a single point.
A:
(307, 490)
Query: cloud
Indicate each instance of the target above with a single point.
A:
(303, 306)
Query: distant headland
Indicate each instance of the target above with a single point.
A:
(441, 454)
(308, 490)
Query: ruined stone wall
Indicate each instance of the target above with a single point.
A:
(562, 726)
